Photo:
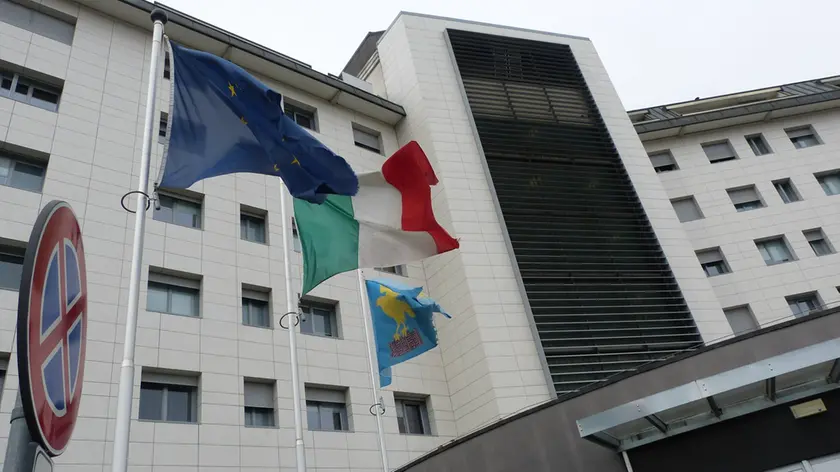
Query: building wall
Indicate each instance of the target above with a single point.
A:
(490, 352)
(94, 143)
(751, 281)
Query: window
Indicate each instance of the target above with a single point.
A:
(713, 262)
(367, 139)
(758, 144)
(251, 226)
(11, 266)
(830, 182)
(819, 243)
(255, 308)
(164, 122)
(663, 161)
(687, 209)
(803, 137)
(168, 397)
(746, 198)
(326, 409)
(319, 318)
(172, 294)
(295, 237)
(412, 416)
(178, 211)
(52, 26)
(719, 152)
(259, 403)
(30, 91)
(774, 250)
(167, 66)
(787, 191)
(300, 115)
(801, 305)
(741, 319)
(396, 270)
(22, 173)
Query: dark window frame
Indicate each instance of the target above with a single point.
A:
(756, 142)
(11, 164)
(318, 407)
(32, 85)
(248, 305)
(304, 116)
(307, 326)
(401, 405)
(252, 223)
(163, 198)
(790, 195)
(11, 256)
(165, 389)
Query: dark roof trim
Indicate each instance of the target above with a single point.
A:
(615, 379)
(713, 97)
(262, 52)
(734, 112)
(363, 53)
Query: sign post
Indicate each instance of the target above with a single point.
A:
(51, 340)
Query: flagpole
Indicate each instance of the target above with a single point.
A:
(126, 387)
(293, 319)
(377, 399)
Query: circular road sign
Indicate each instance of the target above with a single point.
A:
(52, 327)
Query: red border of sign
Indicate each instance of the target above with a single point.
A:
(55, 223)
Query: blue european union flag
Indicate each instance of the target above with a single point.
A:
(223, 120)
(402, 323)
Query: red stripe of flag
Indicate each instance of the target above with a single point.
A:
(410, 172)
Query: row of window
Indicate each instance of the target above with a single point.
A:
(28, 90)
(774, 250)
(749, 198)
(174, 398)
(722, 151)
(742, 320)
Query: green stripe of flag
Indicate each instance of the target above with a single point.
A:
(329, 237)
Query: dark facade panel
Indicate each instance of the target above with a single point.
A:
(602, 294)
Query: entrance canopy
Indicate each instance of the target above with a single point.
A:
(779, 379)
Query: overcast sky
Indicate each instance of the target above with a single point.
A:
(656, 51)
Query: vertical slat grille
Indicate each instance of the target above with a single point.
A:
(601, 291)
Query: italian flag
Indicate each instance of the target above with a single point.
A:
(388, 222)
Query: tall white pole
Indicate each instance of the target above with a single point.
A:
(374, 385)
(292, 320)
(121, 434)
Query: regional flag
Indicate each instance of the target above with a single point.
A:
(388, 222)
(223, 120)
(402, 323)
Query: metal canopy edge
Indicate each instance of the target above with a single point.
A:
(594, 427)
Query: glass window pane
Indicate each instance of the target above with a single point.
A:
(6, 82)
(21, 90)
(186, 214)
(165, 212)
(413, 418)
(303, 120)
(11, 268)
(260, 417)
(27, 177)
(179, 405)
(156, 297)
(5, 169)
(400, 407)
(44, 99)
(151, 402)
(313, 417)
(183, 301)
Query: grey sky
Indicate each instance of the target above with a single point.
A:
(656, 51)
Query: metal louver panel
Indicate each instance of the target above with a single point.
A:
(602, 294)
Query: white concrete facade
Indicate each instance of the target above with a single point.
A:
(488, 364)
(751, 281)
